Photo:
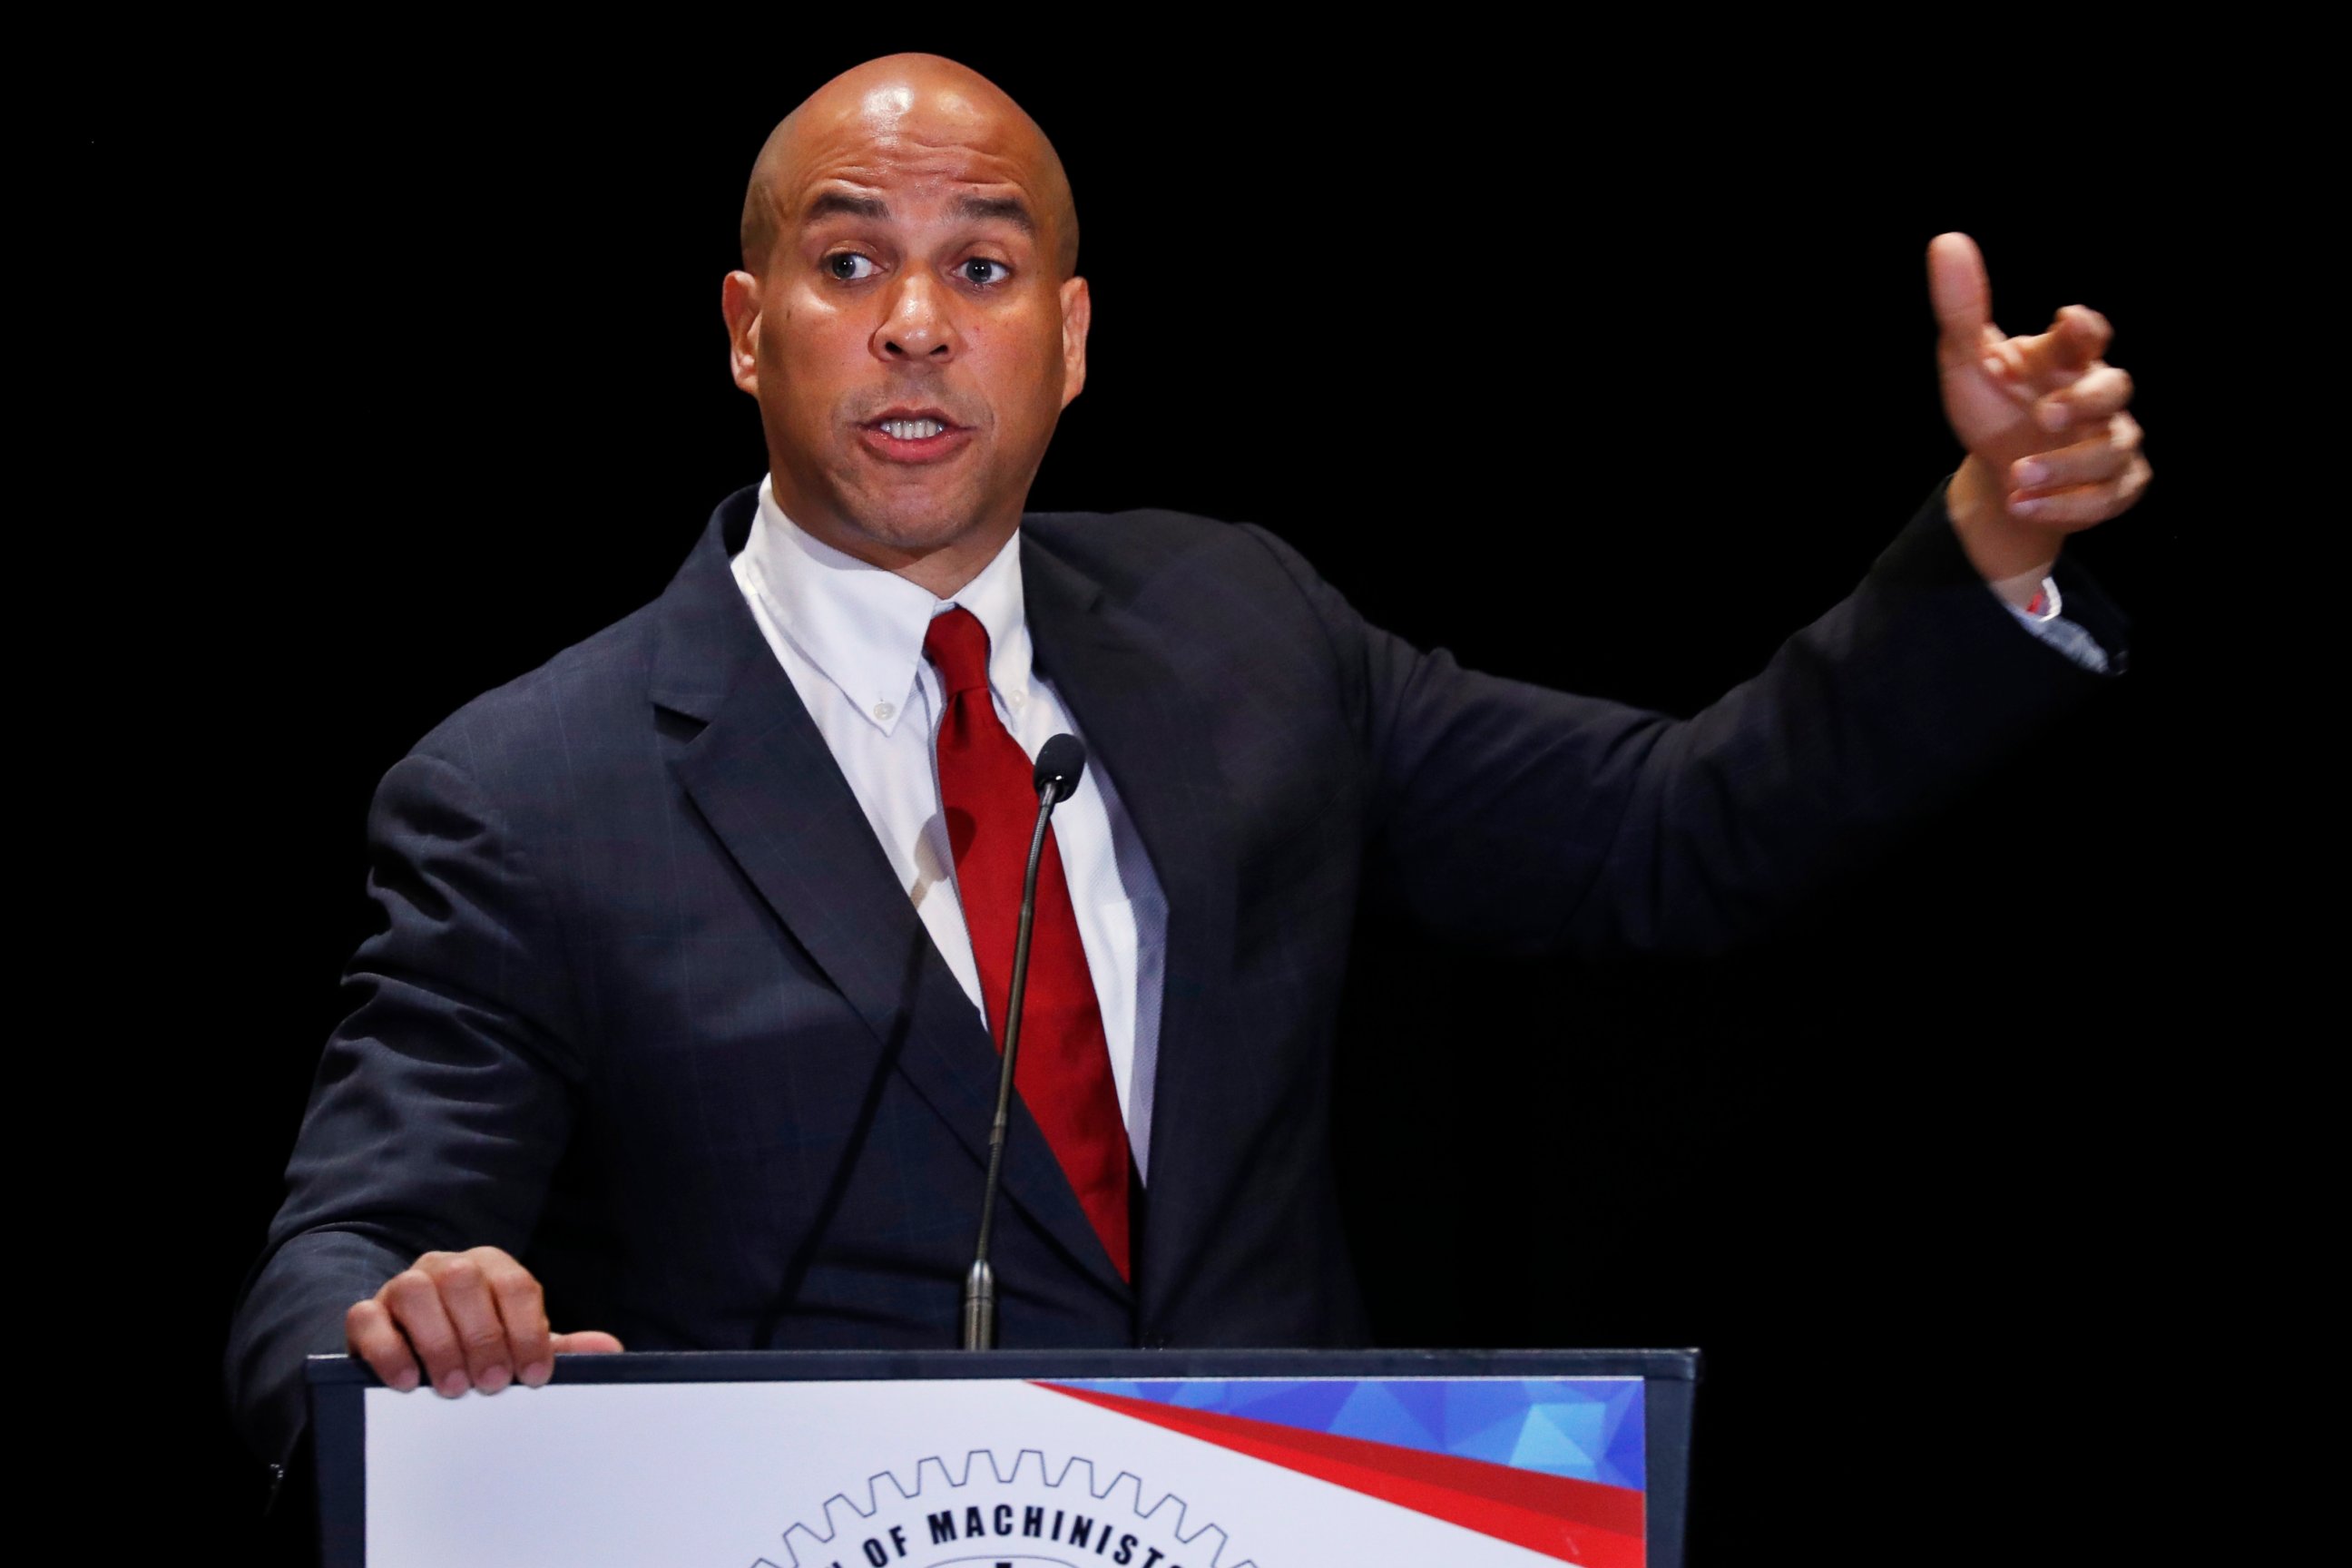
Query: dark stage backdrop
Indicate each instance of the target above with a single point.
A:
(406, 371)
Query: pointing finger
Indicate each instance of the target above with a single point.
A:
(2086, 332)
(2076, 339)
(2047, 361)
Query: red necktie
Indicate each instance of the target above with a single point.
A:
(987, 792)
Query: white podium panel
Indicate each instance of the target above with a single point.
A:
(1215, 1460)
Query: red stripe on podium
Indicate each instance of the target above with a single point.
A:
(1585, 1523)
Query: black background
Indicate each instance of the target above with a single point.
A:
(400, 368)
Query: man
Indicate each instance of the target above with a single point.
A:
(679, 1022)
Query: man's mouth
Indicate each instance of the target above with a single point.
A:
(914, 436)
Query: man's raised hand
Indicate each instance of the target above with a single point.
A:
(2050, 450)
(468, 1319)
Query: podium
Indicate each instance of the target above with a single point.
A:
(1017, 1459)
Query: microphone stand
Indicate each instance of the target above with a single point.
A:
(980, 1283)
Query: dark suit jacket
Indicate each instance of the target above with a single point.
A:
(648, 1008)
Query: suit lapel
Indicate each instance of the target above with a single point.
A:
(762, 777)
(1145, 729)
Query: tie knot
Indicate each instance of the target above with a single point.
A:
(958, 644)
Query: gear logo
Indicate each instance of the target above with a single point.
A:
(995, 1516)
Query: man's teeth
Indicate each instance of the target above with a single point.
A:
(911, 429)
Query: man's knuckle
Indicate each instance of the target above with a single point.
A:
(507, 1275)
(406, 1289)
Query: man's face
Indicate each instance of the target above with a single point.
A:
(910, 336)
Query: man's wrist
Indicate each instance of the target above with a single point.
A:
(2013, 557)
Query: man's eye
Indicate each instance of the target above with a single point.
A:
(849, 267)
(978, 271)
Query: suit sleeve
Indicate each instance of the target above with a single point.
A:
(442, 1101)
(1536, 821)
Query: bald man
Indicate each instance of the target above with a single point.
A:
(682, 1023)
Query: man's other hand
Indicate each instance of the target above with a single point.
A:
(470, 1319)
(2050, 450)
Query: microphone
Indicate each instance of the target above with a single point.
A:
(1060, 762)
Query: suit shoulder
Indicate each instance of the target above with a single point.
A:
(565, 710)
(1150, 552)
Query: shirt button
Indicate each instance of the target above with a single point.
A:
(883, 711)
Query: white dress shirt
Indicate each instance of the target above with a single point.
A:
(850, 636)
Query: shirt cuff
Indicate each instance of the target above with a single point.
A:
(2045, 618)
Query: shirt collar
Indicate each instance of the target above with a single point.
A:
(863, 627)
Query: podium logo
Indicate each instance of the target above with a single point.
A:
(999, 1516)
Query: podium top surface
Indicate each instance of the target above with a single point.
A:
(785, 1366)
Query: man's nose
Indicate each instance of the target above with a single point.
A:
(919, 324)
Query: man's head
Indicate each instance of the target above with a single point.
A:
(908, 313)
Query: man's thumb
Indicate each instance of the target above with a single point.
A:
(1960, 292)
(587, 1342)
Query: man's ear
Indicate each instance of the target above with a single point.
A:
(1077, 315)
(739, 300)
